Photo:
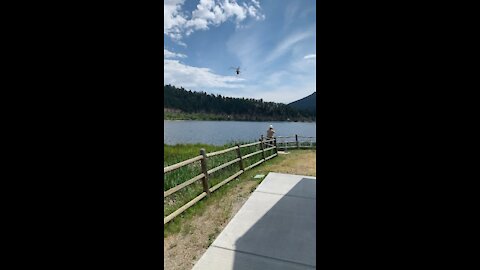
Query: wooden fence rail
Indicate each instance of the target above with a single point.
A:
(297, 143)
(204, 176)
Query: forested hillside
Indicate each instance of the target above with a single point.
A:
(216, 107)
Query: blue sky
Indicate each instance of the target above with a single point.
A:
(273, 41)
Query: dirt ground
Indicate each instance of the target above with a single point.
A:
(182, 250)
(297, 162)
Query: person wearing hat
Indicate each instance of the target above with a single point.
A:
(270, 132)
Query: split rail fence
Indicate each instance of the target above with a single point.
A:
(265, 145)
(285, 142)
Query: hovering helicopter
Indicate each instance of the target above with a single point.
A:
(237, 70)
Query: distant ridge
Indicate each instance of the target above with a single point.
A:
(308, 103)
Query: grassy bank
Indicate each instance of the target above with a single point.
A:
(225, 117)
(177, 153)
(192, 116)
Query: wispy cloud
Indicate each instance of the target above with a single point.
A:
(290, 13)
(287, 44)
(169, 54)
(310, 56)
(196, 78)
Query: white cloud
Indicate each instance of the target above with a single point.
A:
(232, 9)
(253, 11)
(173, 20)
(310, 56)
(288, 43)
(196, 78)
(169, 54)
(283, 86)
(282, 94)
(256, 3)
(207, 13)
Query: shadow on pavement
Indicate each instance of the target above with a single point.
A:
(284, 238)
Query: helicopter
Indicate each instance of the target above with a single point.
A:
(237, 70)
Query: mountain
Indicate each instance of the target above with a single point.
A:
(308, 103)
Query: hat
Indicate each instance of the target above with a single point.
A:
(271, 126)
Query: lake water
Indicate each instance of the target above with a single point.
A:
(222, 132)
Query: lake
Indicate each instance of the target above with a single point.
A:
(222, 132)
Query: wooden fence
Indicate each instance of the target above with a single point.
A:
(299, 142)
(265, 145)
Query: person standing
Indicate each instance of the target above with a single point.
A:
(270, 132)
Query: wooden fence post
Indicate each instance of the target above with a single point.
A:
(263, 149)
(275, 144)
(204, 170)
(261, 140)
(296, 139)
(239, 153)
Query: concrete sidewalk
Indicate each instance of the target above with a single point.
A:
(275, 229)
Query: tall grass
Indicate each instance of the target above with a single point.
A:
(180, 152)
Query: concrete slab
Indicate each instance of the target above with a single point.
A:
(221, 259)
(284, 184)
(275, 229)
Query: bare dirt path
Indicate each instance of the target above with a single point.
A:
(183, 249)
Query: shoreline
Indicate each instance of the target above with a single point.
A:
(238, 120)
(224, 117)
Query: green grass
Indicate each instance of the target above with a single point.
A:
(177, 153)
(193, 116)
(177, 225)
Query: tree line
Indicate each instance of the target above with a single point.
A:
(192, 102)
